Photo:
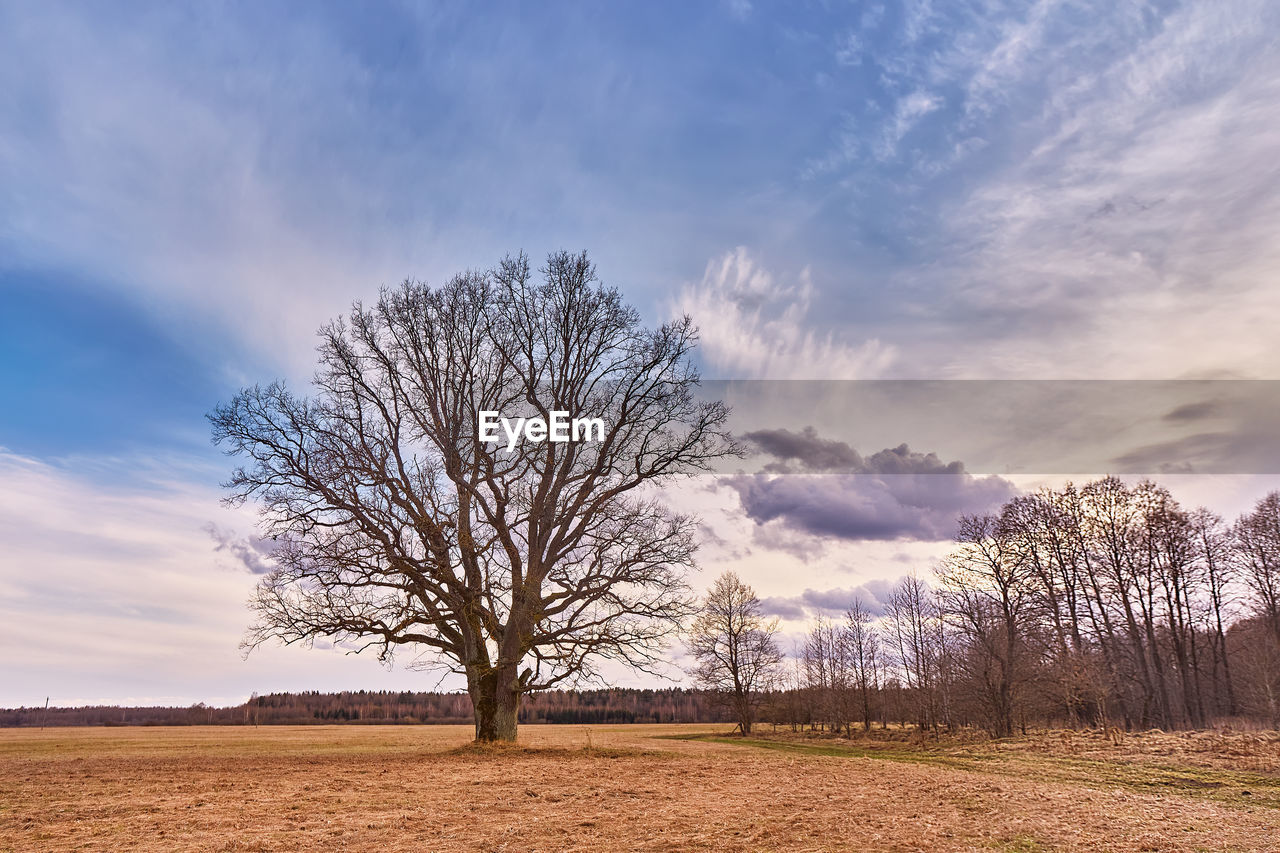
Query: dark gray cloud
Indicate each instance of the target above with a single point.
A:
(1206, 452)
(251, 552)
(805, 448)
(783, 608)
(809, 452)
(830, 602)
(826, 488)
(1194, 411)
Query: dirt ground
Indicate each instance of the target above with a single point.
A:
(603, 788)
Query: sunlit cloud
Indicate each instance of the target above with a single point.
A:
(753, 325)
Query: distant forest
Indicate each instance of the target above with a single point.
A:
(617, 705)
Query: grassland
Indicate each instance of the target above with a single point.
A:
(627, 788)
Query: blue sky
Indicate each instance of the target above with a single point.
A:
(849, 190)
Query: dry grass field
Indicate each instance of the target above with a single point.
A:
(627, 788)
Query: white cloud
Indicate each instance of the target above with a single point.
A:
(906, 114)
(1136, 237)
(247, 191)
(849, 50)
(116, 593)
(1096, 197)
(150, 180)
(1021, 42)
(754, 327)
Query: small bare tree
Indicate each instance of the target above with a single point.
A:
(864, 647)
(915, 631)
(1213, 541)
(829, 673)
(400, 526)
(733, 644)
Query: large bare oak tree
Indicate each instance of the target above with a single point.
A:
(398, 527)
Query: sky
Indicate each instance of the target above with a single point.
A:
(915, 190)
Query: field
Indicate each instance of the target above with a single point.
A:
(627, 788)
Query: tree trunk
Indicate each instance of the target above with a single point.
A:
(496, 705)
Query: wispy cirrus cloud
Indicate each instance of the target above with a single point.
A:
(1095, 191)
(907, 113)
(246, 174)
(752, 325)
(1141, 218)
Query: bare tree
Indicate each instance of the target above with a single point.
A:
(828, 669)
(986, 595)
(1257, 537)
(1181, 575)
(733, 644)
(915, 631)
(1213, 544)
(399, 526)
(1048, 534)
(863, 643)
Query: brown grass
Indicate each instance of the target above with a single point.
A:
(617, 788)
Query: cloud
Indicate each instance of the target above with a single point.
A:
(798, 543)
(907, 113)
(806, 447)
(783, 608)
(1095, 191)
(1194, 411)
(859, 507)
(827, 489)
(815, 454)
(849, 49)
(753, 326)
(831, 602)
(1154, 170)
(251, 552)
(1251, 451)
(1021, 43)
(250, 175)
(121, 565)
(1040, 189)
(109, 590)
(196, 191)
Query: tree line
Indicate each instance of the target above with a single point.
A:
(583, 707)
(1106, 605)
